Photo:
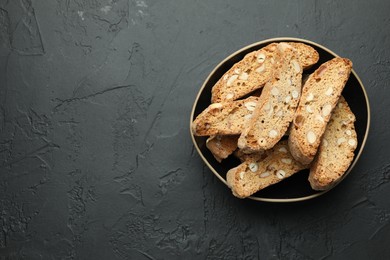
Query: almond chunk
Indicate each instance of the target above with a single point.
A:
(326, 110)
(286, 160)
(216, 106)
(282, 149)
(352, 142)
(273, 133)
(243, 76)
(311, 137)
(295, 94)
(340, 140)
(231, 80)
(250, 106)
(253, 167)
(320, 118)
(296, 66)
(229, 96)
(310, 97)
(280, 174)
(329, 91)
(260, 57)
(265, 174)
(261, 68)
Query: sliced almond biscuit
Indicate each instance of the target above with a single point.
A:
(320, 94)
(336, 150)
(277, 104)
(308, 56)
(221, 146)
(254, 70)
(247, 75)
(252, 176)
(227, 118)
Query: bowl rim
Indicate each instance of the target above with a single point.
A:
(263, 42)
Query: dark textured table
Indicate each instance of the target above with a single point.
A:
(96, 157)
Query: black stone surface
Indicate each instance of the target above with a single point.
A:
(96, 157)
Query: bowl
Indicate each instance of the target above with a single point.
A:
(296, 187)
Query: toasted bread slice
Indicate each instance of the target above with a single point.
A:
(255, 69)
(277, 103)
(227, 118)
(320, 94)
(336, 150)
(252, 176)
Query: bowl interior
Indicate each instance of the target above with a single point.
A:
(297, 187)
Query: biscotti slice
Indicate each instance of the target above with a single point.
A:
(308, 56)
(227, 118)
(336, 150)
(252, 176)
(320, 94)
(277, 104)
(221, 146)
(247, 75)
(254, 70)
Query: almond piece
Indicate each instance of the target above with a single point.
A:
(351, 142)
(260, 57)
(273, 133)
(264, 174)
(311, 137)
(243, 76)
(329, 91)
(282, 149)
(229, 95)
(280, 174)
(253, 167)
(267, 106)
(215, 106)
(260, 69)
(296, 66)
(250, 106)
(286, 160)
(320, 118)
(326, 110)
(231, 80)
(340, 140)
(310, 97)
(295, 94)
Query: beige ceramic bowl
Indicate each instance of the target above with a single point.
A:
(297, 187)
